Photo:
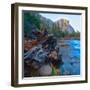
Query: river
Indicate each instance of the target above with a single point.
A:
(71, 60)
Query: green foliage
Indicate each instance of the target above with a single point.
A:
(33, 19)
(75, 34)
(61, 34)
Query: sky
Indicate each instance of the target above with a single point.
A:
(74, 20)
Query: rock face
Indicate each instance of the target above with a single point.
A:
(64, 25)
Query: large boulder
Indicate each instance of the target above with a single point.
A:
(45, 70)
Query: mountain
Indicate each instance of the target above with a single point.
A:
(64, 25)
(46, 23)
(33, 21)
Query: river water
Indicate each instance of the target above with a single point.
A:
(71, 60)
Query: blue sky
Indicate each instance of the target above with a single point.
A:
(74, 20)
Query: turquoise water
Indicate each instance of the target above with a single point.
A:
(71, 64)
(75, 48)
